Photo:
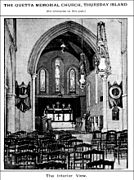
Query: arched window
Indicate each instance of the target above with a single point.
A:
(57, 75)
(72, 80)
(42, 80)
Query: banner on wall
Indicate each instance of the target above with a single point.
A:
(115, 95)
(22, 100)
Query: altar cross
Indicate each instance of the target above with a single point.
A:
(58, 116)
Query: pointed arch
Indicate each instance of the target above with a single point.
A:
(42, 82)
(42, 42)
(75, 88)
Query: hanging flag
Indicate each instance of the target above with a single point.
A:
(115, 94)
(22, 100)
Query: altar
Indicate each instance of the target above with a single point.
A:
(58, 114)
(61, 116)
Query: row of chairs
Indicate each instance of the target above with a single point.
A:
(33, 150)
(112, 142)
(82, 160)
(20, 142)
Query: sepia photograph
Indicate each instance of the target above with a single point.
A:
(66, 94)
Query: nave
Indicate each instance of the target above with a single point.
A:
(65, 94)
(66, 150)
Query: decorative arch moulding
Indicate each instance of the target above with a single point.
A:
(54, 32)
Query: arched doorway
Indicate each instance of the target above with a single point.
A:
(49, 45)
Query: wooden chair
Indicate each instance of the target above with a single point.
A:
(78, 154)
(71, 143)
(100, 164)
(47, 146)
(44, 142)
(27, 148)
(10, 147)
(55, 146)
(23, 141)
(33, 134)
(96, 140)
(27, 160)
(10, 166)
(66, 140)
(111, 142)
(21, 133)
(91, 156)
(51, 165)
(121, 150)
(82, 147)
(43, 157)
(103, 140)
(64, 135)
(70, 149)
(59, 157)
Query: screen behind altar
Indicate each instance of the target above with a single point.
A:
(59, 113)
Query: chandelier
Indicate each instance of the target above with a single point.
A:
(63, 46)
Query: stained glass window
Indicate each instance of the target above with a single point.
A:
(72, 78)
(57, 75)
(42, 80)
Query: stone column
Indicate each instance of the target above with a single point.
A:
(10, 77)
(88, 97)
(5, 110)
(10, 92)
(96, 88)
(105, 124)
(124, 72)
(33, 101)
(11, 112)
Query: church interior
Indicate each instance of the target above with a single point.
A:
(65, 94)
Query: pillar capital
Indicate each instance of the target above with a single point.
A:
(10, 95)
(6, 87)
(34, 76)
(104, 76)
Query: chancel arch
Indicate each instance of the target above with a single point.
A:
(62, 65)
(44, 40)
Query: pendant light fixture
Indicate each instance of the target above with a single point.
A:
(82, 64)
(102, 61)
